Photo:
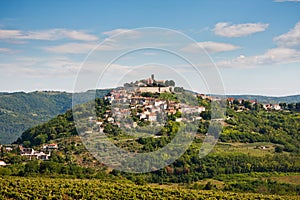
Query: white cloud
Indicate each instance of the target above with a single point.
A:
(72, 48)
(273, 56)
(284, 53)
(238, 30)
(291, 38)
(81, 48)
(127, 40)
(210, 47)
(52, 34)
(10, 34)
(40, 67)
(79, 35)
(119, 31)
(6, 51)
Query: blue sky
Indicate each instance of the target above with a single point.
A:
(254, 43)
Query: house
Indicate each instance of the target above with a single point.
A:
(27, 151)
(197, 118)
(152, 117)
(154, 89)
(42, 155)
(110, 119)
(2, 163)
(276, 106)
(101, 129)
(142, 115)
(99, 123)
(201, 109)
(31, 153)
(252, 101)
(191, 109)
(159, 102)
(171, 111)
(8, 149)
(50, 146)
(178, 119)
(230, 99)
(271, 106)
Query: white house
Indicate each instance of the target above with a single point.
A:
(50, 146)
(8, 149)
(276, 106)
(201, 109)
(42, 155)
(152, 117)
(2, 163)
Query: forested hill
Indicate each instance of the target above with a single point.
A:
(20, 111)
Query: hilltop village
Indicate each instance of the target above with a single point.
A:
(142, 101)
(138, 101)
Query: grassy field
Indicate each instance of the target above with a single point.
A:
(57, 188)
(255, 149)
(291, 179)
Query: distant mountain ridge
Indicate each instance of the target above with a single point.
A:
(268, 99)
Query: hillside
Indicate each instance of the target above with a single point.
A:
(255, 149)
(20, 111)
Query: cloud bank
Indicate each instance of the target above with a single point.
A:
(51, 34)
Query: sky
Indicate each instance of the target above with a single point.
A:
(245, 47)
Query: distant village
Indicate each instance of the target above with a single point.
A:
(129, 98)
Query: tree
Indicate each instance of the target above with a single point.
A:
(206, 115)
(278, 149)
(248, 104)
(32, 167)
(236, 102)
(171, 83)
(291, 106)
(298, 106)
(282, 105)
(208, 186)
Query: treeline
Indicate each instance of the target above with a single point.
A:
(53, 169)
(190, 168)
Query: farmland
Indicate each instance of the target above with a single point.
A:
(58, 188)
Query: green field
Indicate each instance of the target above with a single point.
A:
(56, 188)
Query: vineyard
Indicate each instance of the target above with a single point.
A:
(58, 188)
